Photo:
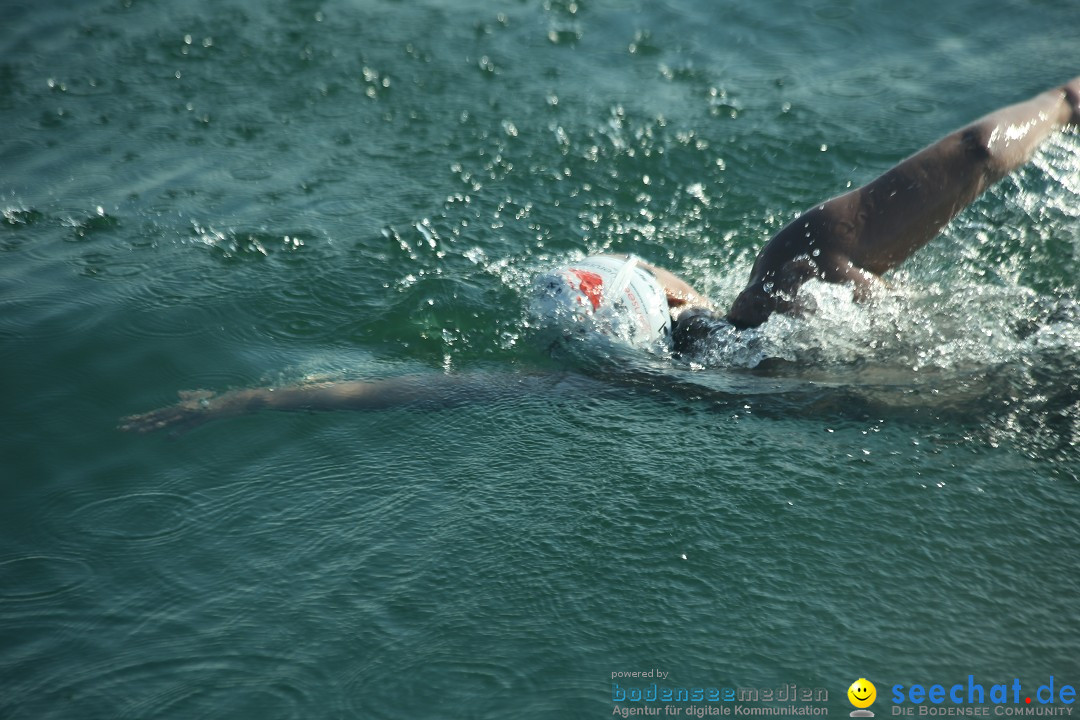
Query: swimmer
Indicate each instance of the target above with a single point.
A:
(852, 239)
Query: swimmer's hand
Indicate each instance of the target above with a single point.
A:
(195, 408)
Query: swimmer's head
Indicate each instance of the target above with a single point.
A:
(606, 295)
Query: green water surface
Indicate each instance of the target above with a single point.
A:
(224, 194)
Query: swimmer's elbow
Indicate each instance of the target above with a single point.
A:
(983, 150)
(1072, 96)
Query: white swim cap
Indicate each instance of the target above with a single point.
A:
(619, 298)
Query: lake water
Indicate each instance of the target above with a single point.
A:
(224, 194)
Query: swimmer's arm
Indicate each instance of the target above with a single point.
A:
(870, 230)
(884, 222)
(200, 407)
(416, 391)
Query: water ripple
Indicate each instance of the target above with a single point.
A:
(38, 576)
(228, 684)
(39, 316)
(147, 323)
(151, 517)
(225, 686)
(334, 206)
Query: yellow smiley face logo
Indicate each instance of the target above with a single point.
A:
(862, 693)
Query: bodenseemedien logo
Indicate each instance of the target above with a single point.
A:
(862, 694)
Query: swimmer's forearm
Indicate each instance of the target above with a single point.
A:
(353, 395)
(1013, 133)
(916, 198)
(417, 391)
(200, 407)
(893, 216)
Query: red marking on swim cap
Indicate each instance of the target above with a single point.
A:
(592, 285)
